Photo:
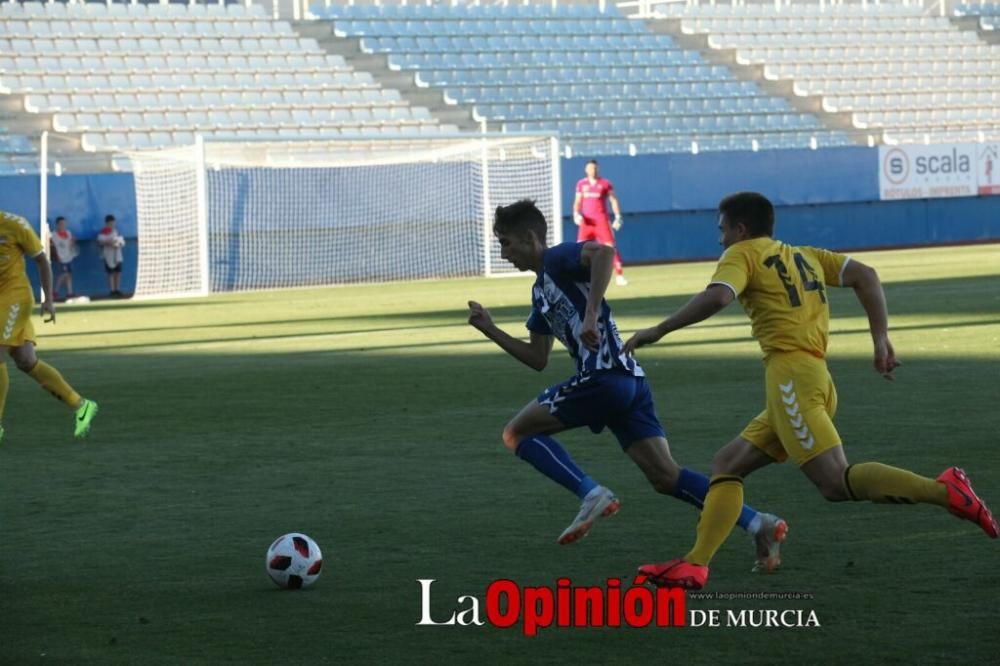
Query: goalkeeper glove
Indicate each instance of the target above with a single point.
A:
(617, 223)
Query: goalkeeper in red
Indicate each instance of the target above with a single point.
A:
(17, 336)
(783, 290)
(590, 213)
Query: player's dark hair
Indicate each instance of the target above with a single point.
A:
(594, 162)
(520, 218)
(750, 208)
(109, 218)
(60, 219)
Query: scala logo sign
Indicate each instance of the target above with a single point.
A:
(896, 166)
(920, 172)
(947, 163)
(924, 172)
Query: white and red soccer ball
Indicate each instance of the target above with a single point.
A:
(294, 561)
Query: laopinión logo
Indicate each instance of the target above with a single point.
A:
(507, 604)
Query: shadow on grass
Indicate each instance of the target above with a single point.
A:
(955, 297)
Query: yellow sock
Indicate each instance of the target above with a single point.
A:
(53, 382)
(723, 504)
(880, 483)
(4, 386)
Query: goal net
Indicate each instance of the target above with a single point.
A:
(234, 216)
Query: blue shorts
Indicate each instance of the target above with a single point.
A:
(62, 268)
(610, 399)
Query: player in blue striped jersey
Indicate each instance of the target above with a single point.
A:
(609, 389)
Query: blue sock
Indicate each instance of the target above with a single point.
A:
(550, 458)
(692, 488)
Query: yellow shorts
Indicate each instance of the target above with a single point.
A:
(15, 319)
(801, 402)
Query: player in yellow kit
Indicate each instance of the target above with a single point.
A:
(17, 335)
(783, 290)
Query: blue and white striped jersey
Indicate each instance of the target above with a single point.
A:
(558, 304)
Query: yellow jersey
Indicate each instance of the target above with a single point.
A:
(17, 239)
(782, 288)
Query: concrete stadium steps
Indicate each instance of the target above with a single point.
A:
(875, 73)
(488, 58)
(446, 112)
(785, 89)
(87, 73)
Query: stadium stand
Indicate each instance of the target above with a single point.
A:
(891, 69)
(121, 76)
(604, 82)
(105, 78)
(988, 14)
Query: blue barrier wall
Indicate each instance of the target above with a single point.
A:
(83, 201)
(824, 197)
(688, 235)
(681, 181)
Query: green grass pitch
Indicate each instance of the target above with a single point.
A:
(369, 417)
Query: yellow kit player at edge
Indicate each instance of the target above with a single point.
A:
(17, 335)
(783, 290)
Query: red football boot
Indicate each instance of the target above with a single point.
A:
(964, 503)
(676, 573)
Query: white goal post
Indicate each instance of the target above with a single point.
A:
(245, 215)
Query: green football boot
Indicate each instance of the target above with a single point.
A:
(85, 414)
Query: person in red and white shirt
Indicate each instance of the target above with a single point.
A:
(590, 213)
(64, 252)
(111, 243)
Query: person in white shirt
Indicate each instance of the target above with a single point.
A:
(64, 251)
(111, 243)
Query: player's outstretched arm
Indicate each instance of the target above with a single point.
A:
(713, 299)
(534, 354)
(601, 260)
(617, 210)
(868, 288)
(45, 277)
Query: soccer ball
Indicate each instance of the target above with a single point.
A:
(294, 561)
